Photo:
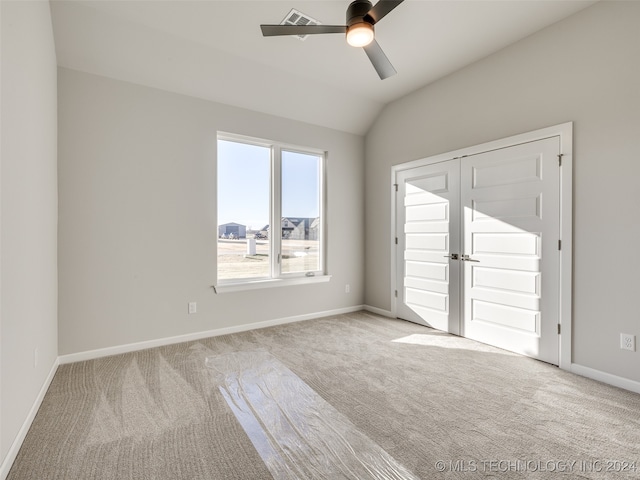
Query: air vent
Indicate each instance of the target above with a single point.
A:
(294, 17)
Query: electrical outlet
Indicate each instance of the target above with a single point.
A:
(347, 288)
(628, 342)
(193, 307)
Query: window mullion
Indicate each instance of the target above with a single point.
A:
(322, 251)
(276, 211)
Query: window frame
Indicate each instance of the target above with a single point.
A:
(277, 277)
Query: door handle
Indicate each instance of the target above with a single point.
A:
(453, 256)
(466, 258)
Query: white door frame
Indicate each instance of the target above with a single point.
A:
(565, 132)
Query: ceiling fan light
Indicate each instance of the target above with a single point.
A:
(360, 34)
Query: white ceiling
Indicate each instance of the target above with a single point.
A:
(214, 49)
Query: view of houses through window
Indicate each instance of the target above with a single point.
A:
(257, 182)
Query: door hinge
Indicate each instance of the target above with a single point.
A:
(559, 329)
(396, 240)
(560, 155)
(396, 293)
(559, 244)
(396, 186)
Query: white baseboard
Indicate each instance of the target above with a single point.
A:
(132, 347)
(379, 311)
(604, 377)
(26, 425)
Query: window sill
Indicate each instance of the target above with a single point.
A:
(275, 282)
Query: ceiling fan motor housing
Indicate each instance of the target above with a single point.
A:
(358, 13)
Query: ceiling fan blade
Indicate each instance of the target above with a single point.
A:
(381, 8)
(277, 30)
(379, 60)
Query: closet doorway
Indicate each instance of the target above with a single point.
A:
(478, 245)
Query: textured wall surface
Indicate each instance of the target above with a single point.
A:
(29, 212)
(137, 193)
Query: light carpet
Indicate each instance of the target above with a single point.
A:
(441, 406)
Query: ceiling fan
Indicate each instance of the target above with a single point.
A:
(361, 18)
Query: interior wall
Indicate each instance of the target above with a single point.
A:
(137, 193)
(583, 69)
(29, 211)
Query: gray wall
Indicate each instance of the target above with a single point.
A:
(584, 69)
(29, 212)
(138, 215)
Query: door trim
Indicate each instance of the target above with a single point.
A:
(565, 133)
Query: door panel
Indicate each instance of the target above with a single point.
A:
(428, 226)
(491, 314)
(511, 224)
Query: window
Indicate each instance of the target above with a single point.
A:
(270, 212)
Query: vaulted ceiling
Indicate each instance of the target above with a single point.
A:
(214, 50)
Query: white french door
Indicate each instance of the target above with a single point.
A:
(477, 247)
(428, 215)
